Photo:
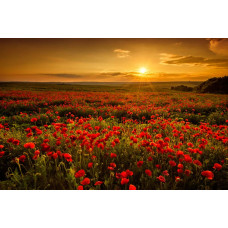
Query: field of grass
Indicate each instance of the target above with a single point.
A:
(95, 87)
(112, 136)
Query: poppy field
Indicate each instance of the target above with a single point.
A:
(113, 140)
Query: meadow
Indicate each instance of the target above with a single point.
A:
(112, 137)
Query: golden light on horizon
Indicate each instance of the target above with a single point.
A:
(112, 60)
(142, 70)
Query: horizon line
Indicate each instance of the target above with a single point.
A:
(98, 81)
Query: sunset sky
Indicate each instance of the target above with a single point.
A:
(112, 60)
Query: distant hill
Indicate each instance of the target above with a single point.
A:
(182, 88)
(213, 85)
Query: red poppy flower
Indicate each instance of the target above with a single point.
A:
(180, 171)
(139, 163)
(177, 179)
(180, 166)
(124, 181)
(80, 173)
(113, 155)
(129, 173)
(98, 183)
(80, 187)
(172, 163)
(33, 120)
(124, 174)
(116, 140)
(167, 139)
(37, 152)
(16, 142)
(22, 158)
(113, 165)
(161, 179)
(2, 153)
(217, 166)
(67, 157)
(90, 164)
(208, 174)
(86, 181)
(148, 172)
(165, 173)
(187, 158)
(187, 172)
(55, 155)
(132, 187)
(197, 162)
(29, 145)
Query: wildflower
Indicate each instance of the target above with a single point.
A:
(22, 158)
(37, 152)
(190, 144)
(113, 165)
(208, 174)
(165, 173)
(55, 155)
(86, 181)
(116, 140)
(217, 166)
(167, 139)
(113, 155)
(177, 179)
(90, 164)
(180, 153)
(132, 187)
(16, 142)
(172, 163)
(33, 120)
(98, 183)
(161, 179)
(80, 187)
(148, 172)
(129, 173)
(139, 163)
(80, 173)
(124, 181)
(187, 172)
(29, 145)
(2, 153)
(180, 166)
(124, 174)
(67, 157)
(197, 162)
(180, 171)
(187, 158)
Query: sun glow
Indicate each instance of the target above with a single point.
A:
(142, 70)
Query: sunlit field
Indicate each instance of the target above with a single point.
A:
(112, 137)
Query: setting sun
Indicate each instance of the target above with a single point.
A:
(142, 70)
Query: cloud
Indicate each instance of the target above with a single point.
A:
(219, 46)
(64, 75)
(178, 43)
(170, 59)
(129, 75)
(122, 53)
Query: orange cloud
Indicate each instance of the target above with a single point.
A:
(219, 46)
(122, 53)
(193, 60)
